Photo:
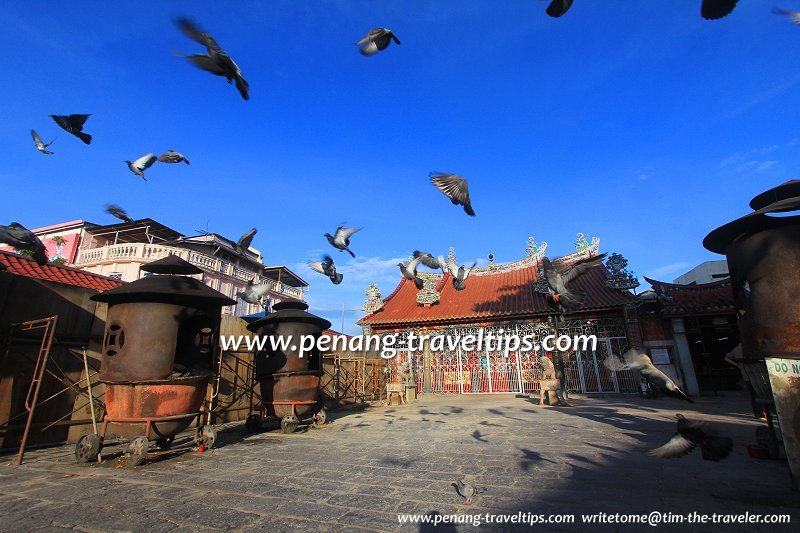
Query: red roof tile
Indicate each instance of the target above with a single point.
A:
(705, 298)
(501, 295)
(25, 266)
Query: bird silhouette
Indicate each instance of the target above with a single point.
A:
(74, 125)
(377, 39)
(215, 60)
(693, 433)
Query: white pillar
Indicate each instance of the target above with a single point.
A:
(684, 357)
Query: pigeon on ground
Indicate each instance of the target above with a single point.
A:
(253, 293)
(558, 7)
(794, 16)
(341, 239)
(23, 239)
(466, 490)
(74, 125)
(327, 268)
(717, 9)
(692, 433)
(377, 39)
(42, 147)
(215, 61)
(454, 187)
(171, 156)
(409, 268)
(460, 274)
(635, 360)
(558, 277)
(118, 212)
(140, 165)
(243, 244)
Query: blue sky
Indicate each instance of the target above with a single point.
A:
(637, 122)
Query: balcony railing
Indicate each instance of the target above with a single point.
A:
(152, 252)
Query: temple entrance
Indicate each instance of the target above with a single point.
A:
(484, 372)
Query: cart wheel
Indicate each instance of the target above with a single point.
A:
(87, 448)
(289, 423)
(320, 418)
(165, 443)
(209, 436)
(136, 451)
(253, 423)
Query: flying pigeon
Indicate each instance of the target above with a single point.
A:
(794, 16)
(559, 277)
(409, 268)
(377, 39)
(42, 147)
(341, 239)
(327, 268)
(74, 125)
(466, 490)
(171, 156)
(454, 187)
(460, 275)
(690, 434)
(23, 239)
(244, 241)
(253, 293)
(717, 9)
(635, 360)
(118, 212)
(215, 61)
(558, 7)
(140, 165)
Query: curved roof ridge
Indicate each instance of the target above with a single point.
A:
(709, 285)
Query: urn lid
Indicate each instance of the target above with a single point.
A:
(172, 264)
(172, 289)
(773, 203)
(290, 311)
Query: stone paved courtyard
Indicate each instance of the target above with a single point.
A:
(367, 466)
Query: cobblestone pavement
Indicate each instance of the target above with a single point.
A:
(365, 467)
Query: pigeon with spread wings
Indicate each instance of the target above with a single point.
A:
(216, 60)
(74, 124)
(327, 268)
(140, 165)
(460, 274)
(558, 277)
(636, 360)
(409, 268)
(244, 241)
(693, 433)
(454, 187)
(42, 147)
(341, 239)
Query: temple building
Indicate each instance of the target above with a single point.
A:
(690, 329)
(511, 297)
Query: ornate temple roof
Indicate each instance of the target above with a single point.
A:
(497, 291)
(702, 299)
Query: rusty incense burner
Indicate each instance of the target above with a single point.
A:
(158, 356)
(289, 379)
(763, 252)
